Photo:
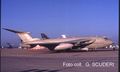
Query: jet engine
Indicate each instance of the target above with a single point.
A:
(84, 49)
(63, 46)
(25, 46)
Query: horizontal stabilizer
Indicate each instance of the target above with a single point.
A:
(14, 31)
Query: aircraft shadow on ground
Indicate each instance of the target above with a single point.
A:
(80, 51)
(39, 70)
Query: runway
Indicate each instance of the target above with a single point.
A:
(19, 60)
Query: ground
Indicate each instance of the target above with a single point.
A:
(19, 60)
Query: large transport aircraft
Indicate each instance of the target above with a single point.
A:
(64, 43)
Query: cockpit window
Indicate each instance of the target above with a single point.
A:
(106, 38)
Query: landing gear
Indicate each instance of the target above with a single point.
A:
(114, 49)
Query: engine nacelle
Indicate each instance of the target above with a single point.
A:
(85, 49)
(63, 46)
(25, 46)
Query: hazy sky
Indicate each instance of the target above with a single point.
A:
(56, 17)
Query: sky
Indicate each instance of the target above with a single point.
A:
(57, 17)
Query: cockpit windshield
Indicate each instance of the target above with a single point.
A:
(106, 38)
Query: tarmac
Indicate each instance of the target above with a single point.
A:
(23, 60)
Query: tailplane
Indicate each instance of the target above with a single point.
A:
(24, 36)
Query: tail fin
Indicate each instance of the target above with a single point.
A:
(44, 36)
(24, 36)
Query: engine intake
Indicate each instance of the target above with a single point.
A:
(63, 46)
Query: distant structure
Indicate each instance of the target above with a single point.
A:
(1, 46)
(9, 45)
(64, 36)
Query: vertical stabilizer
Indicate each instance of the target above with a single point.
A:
(44, 36)
(24, 36)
